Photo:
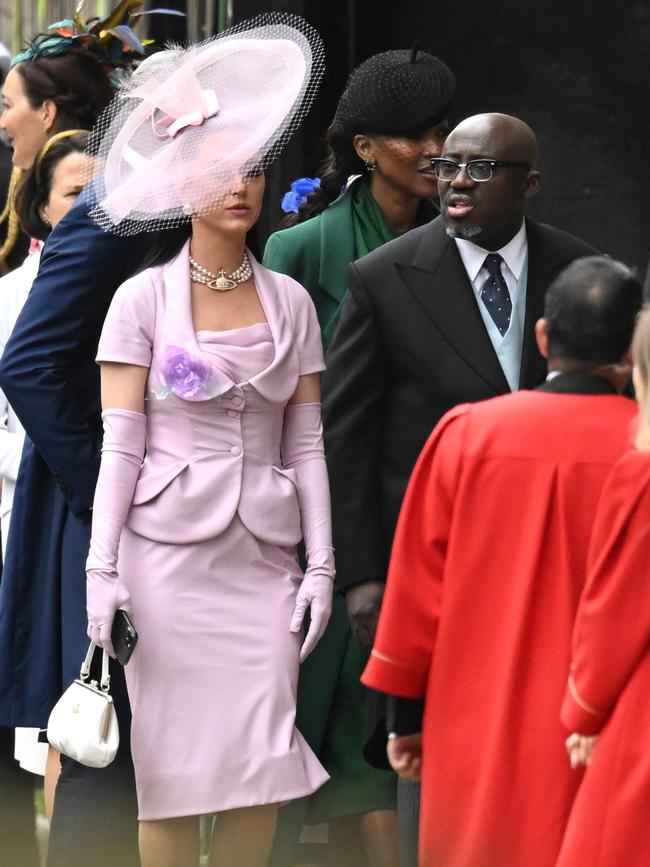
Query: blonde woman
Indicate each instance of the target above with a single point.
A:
(606, 702)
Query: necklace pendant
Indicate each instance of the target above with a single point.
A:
(222, 284)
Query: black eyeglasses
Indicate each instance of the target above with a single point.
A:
(478, 170)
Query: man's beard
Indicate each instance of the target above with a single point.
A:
(466, 232)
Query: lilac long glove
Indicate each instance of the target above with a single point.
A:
(122, 456)
(302, 450)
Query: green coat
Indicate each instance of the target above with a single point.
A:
(317, 253)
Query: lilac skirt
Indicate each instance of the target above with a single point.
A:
(212, 681)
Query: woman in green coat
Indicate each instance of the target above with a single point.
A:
(376, 183)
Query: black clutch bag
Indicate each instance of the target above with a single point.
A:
(123, 636)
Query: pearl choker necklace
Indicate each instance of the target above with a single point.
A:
(221, 282)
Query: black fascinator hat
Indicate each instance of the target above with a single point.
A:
(396, 93)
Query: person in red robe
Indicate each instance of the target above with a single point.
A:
(486, 571)
(609, 684)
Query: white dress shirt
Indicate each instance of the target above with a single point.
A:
(514, 269)
(14, 289)
(514, 258)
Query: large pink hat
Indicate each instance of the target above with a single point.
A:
(190, 122)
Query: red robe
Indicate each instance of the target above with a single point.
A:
(487, 568)
(609, 688)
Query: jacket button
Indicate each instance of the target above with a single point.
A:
(232, 414)
(235, 451)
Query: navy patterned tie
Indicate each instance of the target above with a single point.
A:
(495, 295)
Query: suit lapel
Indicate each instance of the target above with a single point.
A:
(277, 381)
(437, 278)
(542, 268)
(337, 246)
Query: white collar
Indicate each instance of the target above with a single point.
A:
(29, 270)
(513, 254)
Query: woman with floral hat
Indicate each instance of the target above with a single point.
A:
(212, 464)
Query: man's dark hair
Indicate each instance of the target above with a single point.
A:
(590, 310)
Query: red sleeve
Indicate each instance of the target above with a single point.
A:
(612, 627)
(408, 623)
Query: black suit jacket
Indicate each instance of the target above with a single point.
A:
(411, 344)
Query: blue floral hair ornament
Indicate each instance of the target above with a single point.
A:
(301, 188)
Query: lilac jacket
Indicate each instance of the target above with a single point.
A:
(213, 446)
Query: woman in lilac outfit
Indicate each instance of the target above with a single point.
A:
(212, 471)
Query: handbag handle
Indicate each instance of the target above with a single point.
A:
(84, 674)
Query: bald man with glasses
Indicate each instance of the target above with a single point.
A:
(443, 315)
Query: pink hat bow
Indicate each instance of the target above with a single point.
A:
(179, 110)
(189, 121)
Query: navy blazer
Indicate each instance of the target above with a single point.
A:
(49, 375)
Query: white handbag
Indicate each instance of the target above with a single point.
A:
(83, 723)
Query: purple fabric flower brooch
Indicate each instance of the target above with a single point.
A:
(187, 376)
(297, 195)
